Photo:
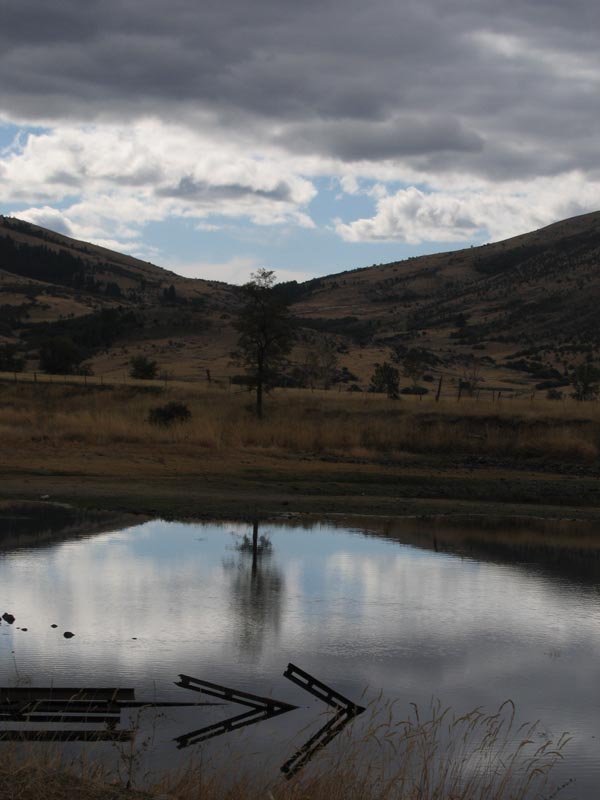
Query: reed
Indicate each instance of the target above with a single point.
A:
(439, 756)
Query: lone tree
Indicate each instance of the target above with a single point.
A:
(413, 364)
(320, 363)
(585, 380)
(265, 332)
(385, 378)
(470, 381)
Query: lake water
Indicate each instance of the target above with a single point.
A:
(472, 614)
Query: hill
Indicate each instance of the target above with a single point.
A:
(112, 305)
(513, 315)
(524, 308)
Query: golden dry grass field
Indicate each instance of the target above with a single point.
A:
(312, 449)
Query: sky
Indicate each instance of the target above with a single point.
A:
(214, 138)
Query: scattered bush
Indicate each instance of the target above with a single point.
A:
(552, 384)
(59, 355)
(142, 368)
(418, 390)
(242, 380)
(345, 376)
(169, 414)
(85, 369)
(10, 360)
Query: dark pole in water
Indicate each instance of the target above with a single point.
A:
(254, 547)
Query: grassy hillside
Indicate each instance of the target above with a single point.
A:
(525, 308)
(517, 315)
(113, 306)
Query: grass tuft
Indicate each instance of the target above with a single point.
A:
(436, 756)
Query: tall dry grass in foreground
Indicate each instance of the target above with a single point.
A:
(441, 757)
(302, 422)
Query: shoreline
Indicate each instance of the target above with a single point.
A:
(265, 487)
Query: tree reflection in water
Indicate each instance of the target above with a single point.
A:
(257, 588)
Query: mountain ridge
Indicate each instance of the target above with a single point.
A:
(523, 308)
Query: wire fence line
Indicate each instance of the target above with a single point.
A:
(115, 379)
(110, 379)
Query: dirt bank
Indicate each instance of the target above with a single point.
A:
(133, 479)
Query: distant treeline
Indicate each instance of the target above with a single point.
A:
(91, 332)
(62, 346)
(43, 263)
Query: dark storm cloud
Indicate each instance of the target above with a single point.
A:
(358, 140)
(189, 189)
(500, 88)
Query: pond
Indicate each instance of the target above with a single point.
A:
(470, 612)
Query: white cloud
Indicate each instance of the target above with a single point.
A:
(452, 99)
(47, 217)
(481, 212)
(349, 184)
(104, 183)
(111, 180)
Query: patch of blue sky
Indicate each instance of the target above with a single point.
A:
(315, 251)
(318, 250)
(179, 238)
(14, 206)
(332, 202)
(13, 137)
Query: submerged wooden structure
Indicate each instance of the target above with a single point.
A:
(94, 714)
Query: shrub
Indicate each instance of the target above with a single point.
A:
(10, 360)
(59, 355)
(169, 414)
(142, 368)
(419, 390)
(558, 384)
